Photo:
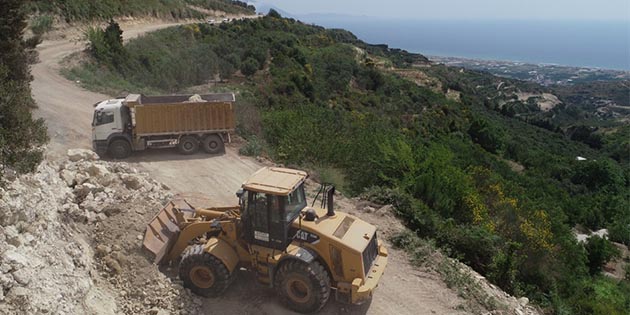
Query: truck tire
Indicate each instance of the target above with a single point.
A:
(203, 273)
(119, 149)
(303, 287)
(188, 145)
(213, 144)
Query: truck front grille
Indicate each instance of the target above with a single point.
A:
(369, 254)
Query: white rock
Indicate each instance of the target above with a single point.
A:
(131, 181)
(81, 178)
(12, 235)
(22, 276)
(5, 268)
(523, 301)
(97, 170)
(68, 177)
(76, 155)
(16, 259)
(6, 281)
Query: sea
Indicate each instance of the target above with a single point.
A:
(595, 44)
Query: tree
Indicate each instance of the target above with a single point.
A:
(107, 45)
(486, 135)
(274, 14)
(20, 135)
(600, 251)
(249, 66)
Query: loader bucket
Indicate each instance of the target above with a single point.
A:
(163, 230)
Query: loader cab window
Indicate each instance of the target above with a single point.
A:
(295, 202)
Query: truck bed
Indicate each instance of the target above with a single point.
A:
(176, 114)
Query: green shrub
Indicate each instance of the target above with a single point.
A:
(600, 251)
(253, 147)
(41, 24)
(249, 67)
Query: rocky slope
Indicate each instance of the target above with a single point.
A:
(71, 243)
(71, 237)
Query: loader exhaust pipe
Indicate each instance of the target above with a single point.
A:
(330, 195)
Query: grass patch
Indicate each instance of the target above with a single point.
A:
(41, 24)
(253, 147)
(94, 78)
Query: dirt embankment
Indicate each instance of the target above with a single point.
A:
(70, 238)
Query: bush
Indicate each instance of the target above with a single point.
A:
(106, 45)
(249, 67)
(253, 147)
(42, 24)
(600, 251)
(486, 135)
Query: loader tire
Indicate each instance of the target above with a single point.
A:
(303, 287)
(119, 149)
(203, 273)
(188, 145)
(213, 144)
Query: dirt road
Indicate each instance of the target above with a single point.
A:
(67, 110)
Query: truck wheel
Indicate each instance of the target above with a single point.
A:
(188, 145)
(213, 144)
(303, 287)
(119, 149)
(203, 273)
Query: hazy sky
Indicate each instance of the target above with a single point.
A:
(464, 9)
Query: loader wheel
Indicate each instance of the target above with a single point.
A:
(203, 273)
(303, 287)
(213, 144)
(119, 149)
(188, 145)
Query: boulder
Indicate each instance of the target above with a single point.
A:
(131, 181)
(68, 177)
(16, 259)
(76, 155)
(97, 170)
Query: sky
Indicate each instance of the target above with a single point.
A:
(602, 10)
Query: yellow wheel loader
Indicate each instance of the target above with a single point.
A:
(307, 254)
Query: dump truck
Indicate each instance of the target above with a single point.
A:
(306, 253)
(138, 122)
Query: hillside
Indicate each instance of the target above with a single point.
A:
(405, 289)
(459, 154)
(84, 10)
(444, 145)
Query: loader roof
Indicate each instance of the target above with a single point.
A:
(275, 180)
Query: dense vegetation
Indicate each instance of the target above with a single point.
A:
(20, 134)
(496, 192)
(77, 10)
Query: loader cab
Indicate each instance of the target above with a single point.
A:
(270, 201)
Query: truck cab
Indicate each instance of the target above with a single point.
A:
(111, 118)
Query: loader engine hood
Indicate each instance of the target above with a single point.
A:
(342, 229)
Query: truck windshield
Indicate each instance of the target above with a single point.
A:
(101, 118)
(296, 201)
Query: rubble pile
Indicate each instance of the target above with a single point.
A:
(71, 242)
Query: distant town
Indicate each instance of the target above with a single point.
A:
(544, 74)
